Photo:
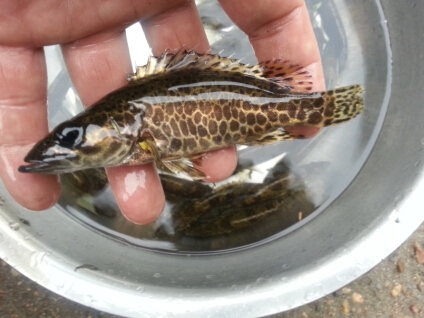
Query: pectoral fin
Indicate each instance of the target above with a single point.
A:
(175, 166)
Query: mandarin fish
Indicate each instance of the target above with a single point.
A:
(181, 105)
(239, 205)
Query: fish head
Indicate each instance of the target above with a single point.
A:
(82, 143)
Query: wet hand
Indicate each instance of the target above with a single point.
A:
(92, 36)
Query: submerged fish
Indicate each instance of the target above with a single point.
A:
(281, 197)
(180, 105)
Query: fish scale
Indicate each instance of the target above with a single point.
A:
(181, 105)
(220, 113)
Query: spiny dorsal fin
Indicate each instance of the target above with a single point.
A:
(279, 71)
(184, 60)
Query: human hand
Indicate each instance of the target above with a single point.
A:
(92, 36)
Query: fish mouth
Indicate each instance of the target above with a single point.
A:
(52, 160)
(42, 167)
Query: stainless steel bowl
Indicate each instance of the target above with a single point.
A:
(377, 206)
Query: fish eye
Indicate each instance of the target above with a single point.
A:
(70, 136)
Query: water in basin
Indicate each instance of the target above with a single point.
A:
(353, 41)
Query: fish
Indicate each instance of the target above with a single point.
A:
(181, 105)
(239, 205)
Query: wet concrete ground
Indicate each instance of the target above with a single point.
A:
(394, 288)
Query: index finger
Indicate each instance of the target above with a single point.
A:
(174, 33)
(280, 29)
(23, 121)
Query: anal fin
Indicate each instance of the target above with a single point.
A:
(179, 166)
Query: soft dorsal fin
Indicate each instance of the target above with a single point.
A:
(282, 72)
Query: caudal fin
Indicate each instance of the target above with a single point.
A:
(342, 104)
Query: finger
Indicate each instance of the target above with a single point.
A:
(98, 65)
(70, 20)
(139, 191)
(182, 28)
(176, 29)
(280, 29)
(217, 164)
(23, 121)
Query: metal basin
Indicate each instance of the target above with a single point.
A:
(374, 206)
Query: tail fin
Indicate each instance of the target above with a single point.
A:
(342, 104)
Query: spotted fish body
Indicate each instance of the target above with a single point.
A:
(181, 105)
